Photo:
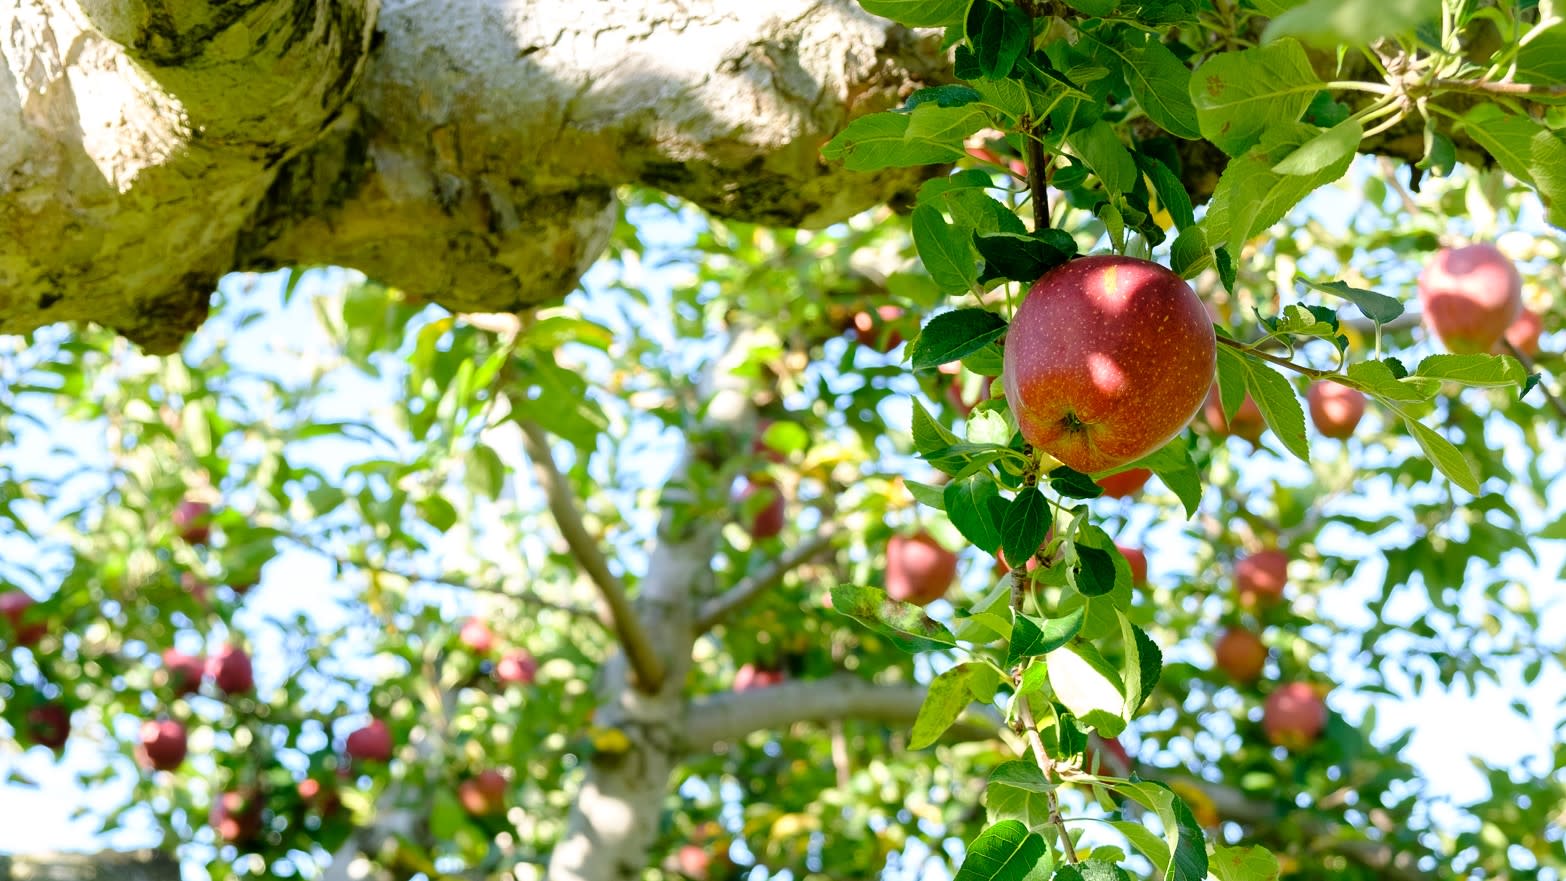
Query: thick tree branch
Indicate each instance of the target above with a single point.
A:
(715, 610)
(562, 504)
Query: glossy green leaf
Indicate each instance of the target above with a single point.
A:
(1240, 95)
(1006, 851)
(1089, 687)
(968, 504)
(904, 624)
(1025, 525)
(951, 336)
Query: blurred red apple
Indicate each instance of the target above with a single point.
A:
(768, 521)
(183, 673)
(918, 569)
(1137, 561)
(1248, 420)
(1470, 296)
(322, 799)
(1524, 333)
(49, 725)
(26, 626)
(1335, 409)
(749, 676)
(517, 667)
(372, 743)
(193, 521)
(230, 668)
(1261, 577)
(878, 330)
(477, 636)
(1240, 654)
(1107, 359)
(483, 794)
(1294, 715)
(1123, 484)
(163, 744)
(236, 816)
(692, 859)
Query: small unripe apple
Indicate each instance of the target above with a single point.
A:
(49, 725)
(477, 636)
(1524, 333)
(1261, 577)
(878, 330)
(1248, 421)
(918, 569)
(163, 744)
(183, 673)
(483, 794)
(236, 816)
(768, 521)
(1137, 561)
(1123, 484)
(1241, 654)
(25, 625)
(1470, 296)
(749, 676)
(1335, 409)
(372, 743)
(1294, 715)
(230, 669)
(518, 667)
(1107, 359)
(193, 521)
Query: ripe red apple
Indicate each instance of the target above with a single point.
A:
(1524, 333)
(1260, 577)
(693, 859)
(768, 521)
(483, 794)
(230, 668)
(372, 743)
(236, 816)
(193, 521)
(49, 725)
(1248, 421)
(1470, 296)
(1240, 654)
(163, 744)
(878, 330)
(26, 627)
(918, 569)
(1123, 484)
(1335, 409)
(477, 636)
(749, 676)
(1107, 359)
(1294, 715)
(1137, 561)
(517, 667)
(183, 673)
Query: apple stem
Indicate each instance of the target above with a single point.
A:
(1311, 372)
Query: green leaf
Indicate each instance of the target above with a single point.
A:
(999, 34)
(1377, 378)
(1189, 256)
(1025, 525)
(1379, 308)
(1171, 194)
(485, 474)
(1279, 405)
(904, 624)
(1094, 8)
(988, 427)
(919, 13)
(1183, 837)
(930, 437)
(927, 135)
(446, 815)
(1023, 256)
(1240, 95)
(1332, 24)
(948, 696)
(1089, 688)
(1173, 464)
(1018, 791)
(1331, 147)
(944, 251)
(950, 95)
(1100, 147)
(1254, 863)
(437, 512)
(1448, 459)
(1091, 870)
(1479, 371)
(926, 494)
(981, 212)
(1547, 164)
(954, 335)
(1006, 851)
(1160, 81)
(1251, 196)
(1032, 636)
(1506, 136)
(1073, 484)
(1090, 562)
(968, 504)
(1143, 666)
(938, 190)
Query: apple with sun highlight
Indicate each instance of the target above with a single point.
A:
(1470, 296)
(1335, 409)
(1294, 715)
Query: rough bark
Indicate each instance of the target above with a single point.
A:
(466, 151)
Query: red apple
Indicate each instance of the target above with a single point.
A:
(17, 609)
(477, 636)
(1294, 715)
(517, 667)
(183, 673)
(193, 521)
(163, 744)
(768, 521)
(49, 725)
(1524, 333)
(1335, 409)
(918, 569)
(1137, 561)
(749, 676)
(236, 816)
(1123, 484)
(372, 743)
(1240, 654)
(230, 668)
(1107, 359)
(1248, 421)
(1260, 577)
(1470, 296)
(878, 330)
(483, 794)
(693, 859)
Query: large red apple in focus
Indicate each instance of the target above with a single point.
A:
(1261, 577)
(1335, 409)
(1294, 715)
(1470, 296)
(1123, 484)
(1240, 654)
(372, 743)
(483, 794)
(1107, 359)
(163, 744)
(918, 569)
(230, 668)
(17, 609)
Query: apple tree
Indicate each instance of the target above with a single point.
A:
(1081, 513)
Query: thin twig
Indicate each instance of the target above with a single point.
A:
(628, 627)
(1036, 179)
(1311, 372)
(1527, 364)
(1487, 88)
(748, 589)
(1047, 768)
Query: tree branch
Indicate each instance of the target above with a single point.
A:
(562, 504)
(715, 610)
(1527, 364)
